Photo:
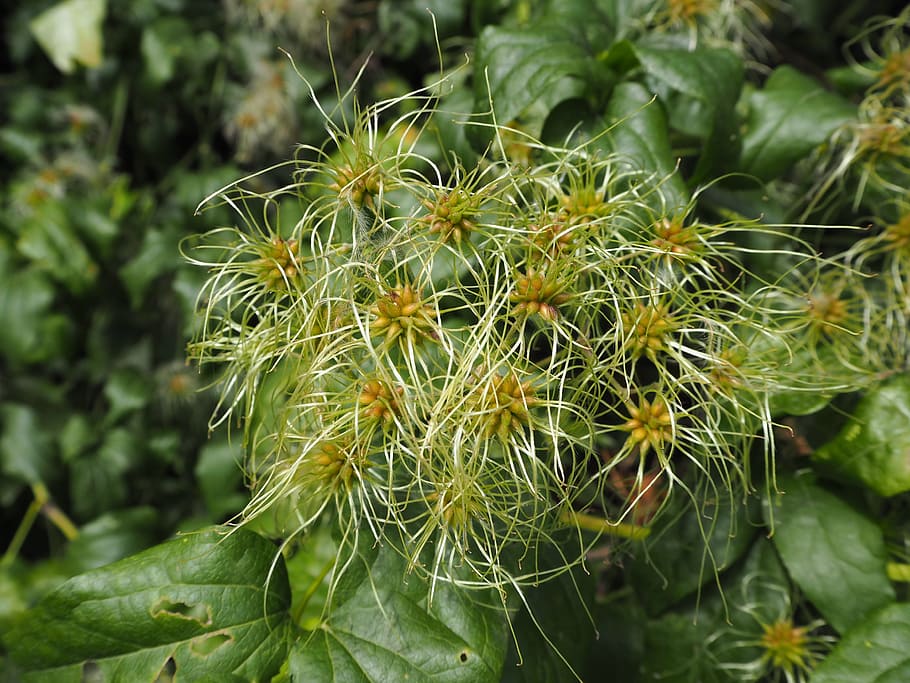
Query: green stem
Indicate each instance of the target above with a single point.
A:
(898, 572)
(112, 140)
(602, 526)
(41, 504)
(56, 516)
(28, 519)
(311, 590)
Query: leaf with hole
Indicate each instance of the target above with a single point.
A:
(205, 604)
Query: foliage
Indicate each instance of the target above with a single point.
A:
(511, 366)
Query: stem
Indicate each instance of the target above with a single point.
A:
(311, 590)
(112, 141)
(42, 504)
(28, 519)
(56, 516)
(898, 572)
(602, 526)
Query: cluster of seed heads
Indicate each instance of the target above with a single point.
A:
(461, 376)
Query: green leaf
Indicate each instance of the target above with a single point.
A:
(792, 115)
(97, 479)
(717, 634)
(25, 447)
(620, 646)
(220, 478)
(640, 135)
(679, 651)
(874, 651)
(405, 24)
(874, 446)
(560, 638)
(157, 255)
(29, 331)
(162, 43)
(699, 90)
(70, 33)
(686, 549)
(541, 66)
(830, 550)
(310, 575)
(111, 537)
(384, 628)
(126, 391)
(49, 240)
(213, 605)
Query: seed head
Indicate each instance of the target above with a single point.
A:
(538, 292)
(650, 425)
(278, 265)
(357, 185)
(451, 215)
(502, 404)
(647, 328)
(379, 402)
(402, 316)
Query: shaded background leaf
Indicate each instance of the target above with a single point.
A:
(788, 118)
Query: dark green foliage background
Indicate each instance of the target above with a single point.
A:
(103, 170)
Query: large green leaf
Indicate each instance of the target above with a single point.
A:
(874, 651)
(639, 133)
(205, 604)
(538, 66)
(874, 446)
(70, 33)
(699, 90)
(792, 115)
(830, 550)
(386, 629)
